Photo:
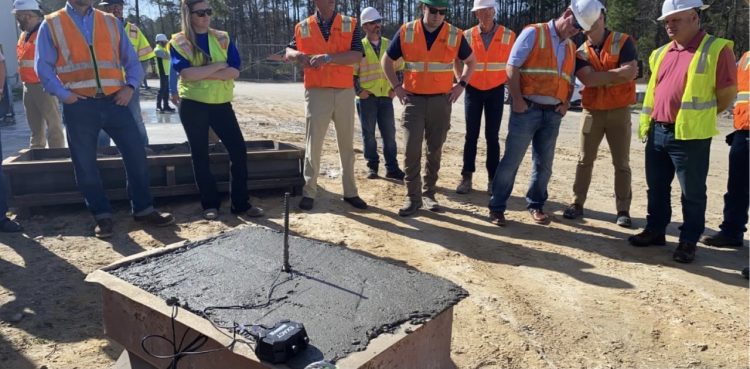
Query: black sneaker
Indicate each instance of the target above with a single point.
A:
(685, 252)
(155, 218)
(168, 110)
(623, 219)
(396, 174)
(746, 272)
(647, 238)
(372, 173)
(103, 228)
(573, 211)
(306, 203)
(410, 207)
(10, 226)
(357, 202)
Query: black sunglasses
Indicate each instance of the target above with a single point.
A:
(437, 11)
(576, 24)
(203, 12)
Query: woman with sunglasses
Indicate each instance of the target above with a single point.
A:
(208, 63)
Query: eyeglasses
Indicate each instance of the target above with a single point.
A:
(576, 24)
(437, 11)
(203, 12)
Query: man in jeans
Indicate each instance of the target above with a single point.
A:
(95, 93)
(540, 72)
(606, 64)
(491, 44)
(6, 225)
(375, 99)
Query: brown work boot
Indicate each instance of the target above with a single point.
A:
(497, 218)
(685, 252)
(647, 238)
(573, 211)
(539, 217)
(410, 207)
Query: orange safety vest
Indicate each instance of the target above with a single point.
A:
(741, 116)
(610, 96)
(80, 69)
(429, 71)
(539, 75)
(310, 41)
(491, 61)
(25, 51)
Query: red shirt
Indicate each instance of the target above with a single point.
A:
(672, 76)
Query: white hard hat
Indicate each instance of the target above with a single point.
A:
(19, 5)
(483, 4)
(369, 14)
(161, 37)
(587, 12)
(675, 6)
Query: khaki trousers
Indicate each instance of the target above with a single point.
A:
(321, 106)
(615, 125)
(42, 113)
(425, 118)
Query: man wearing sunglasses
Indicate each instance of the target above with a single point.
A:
(327, 44)
(375, 99)
(81, 54)
(144, 52)
(429, 46)
(491, 43)
(606, 64)
(693, 78)
(540, 80)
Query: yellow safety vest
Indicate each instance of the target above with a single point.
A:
(165, 62)
(205, 91)
(370, 72)
(139, 42)
(696, 118)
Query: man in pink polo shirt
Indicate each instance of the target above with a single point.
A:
(693, 79)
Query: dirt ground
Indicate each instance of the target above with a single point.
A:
(572, 294)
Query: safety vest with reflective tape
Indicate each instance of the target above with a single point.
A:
(370, 71)
(741, 116)
(25, 51)
(490, 71)
(429, 71)
(610, 96)
(139, 42)
(207, 91)
(310, 41)
(165, 62)
(696, 118)
(539, 73)
(87, 70)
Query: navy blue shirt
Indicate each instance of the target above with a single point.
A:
(628, 52)
(179, 62)
(394, 49)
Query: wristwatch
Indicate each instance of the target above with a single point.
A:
(462, 83)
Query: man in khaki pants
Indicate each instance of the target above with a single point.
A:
(327, 44)
(606, 64)
(41, 108)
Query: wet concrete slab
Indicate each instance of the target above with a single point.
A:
(343, 298)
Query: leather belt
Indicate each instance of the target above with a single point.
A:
(532, 105)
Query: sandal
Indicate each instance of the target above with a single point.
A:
(210, 214)
(538, 216)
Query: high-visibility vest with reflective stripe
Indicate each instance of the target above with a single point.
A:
(139, 42)
(490, 71)
(370, 71)
(609, 96)
(741, 116)
(310, 41)
(539, 73)
(77, 68)
(696, 118)
(165, 62)
(207, 91)
(25, 51)
(429, 71)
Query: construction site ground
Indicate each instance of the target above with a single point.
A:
(571, 294)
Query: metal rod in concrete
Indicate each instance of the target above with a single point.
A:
(286, 267)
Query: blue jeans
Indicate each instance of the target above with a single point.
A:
(378, 109)
(536, 127)
(736, 200)
(491, 102)
(3, 189)
(135, 109)
(84, 120)
(665, 157)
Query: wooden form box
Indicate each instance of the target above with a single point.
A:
(38, 177)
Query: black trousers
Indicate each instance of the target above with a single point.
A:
(196, 118)
(162, 98)
(491, 103)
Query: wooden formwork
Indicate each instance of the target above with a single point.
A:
(131, 313)
(39, 177)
